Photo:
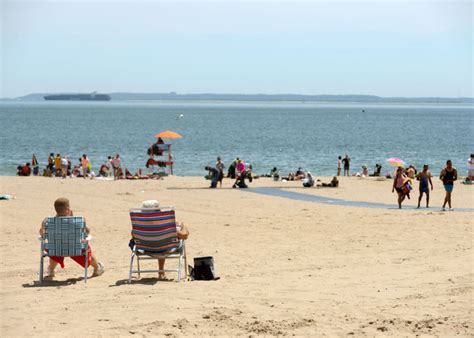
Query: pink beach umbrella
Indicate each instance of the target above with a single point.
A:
(396, 162)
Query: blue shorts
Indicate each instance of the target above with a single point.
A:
(448, 187)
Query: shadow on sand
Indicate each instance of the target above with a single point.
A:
(53, 283)
(144, 281)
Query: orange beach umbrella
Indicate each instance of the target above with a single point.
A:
(168, 134)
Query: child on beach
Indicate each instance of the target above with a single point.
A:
(425, 178)
(61, 205)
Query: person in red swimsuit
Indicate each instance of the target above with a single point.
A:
(61, 205)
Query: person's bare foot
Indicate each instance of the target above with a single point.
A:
(162, 276)
(99, 271)
(50, 275)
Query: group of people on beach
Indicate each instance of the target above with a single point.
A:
(345, 163)
(61, 166)
(63, 209)
(403, 183)
(238, 170)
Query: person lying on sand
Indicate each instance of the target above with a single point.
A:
(61, 205)
(333, 184)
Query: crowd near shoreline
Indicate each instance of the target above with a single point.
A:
(403, 175)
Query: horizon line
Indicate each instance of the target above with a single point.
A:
(172, 93)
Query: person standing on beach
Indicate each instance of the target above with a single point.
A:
(346, 162)
(51, 163)
(398, 182)
(116, 165)
(470, 167)
(35, 165)
(64, 165)
(339, 166)
(448, 175)
(425, 178)
(57, 164)
(220, 166)
(85, 165)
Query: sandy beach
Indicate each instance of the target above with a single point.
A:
(287, 267)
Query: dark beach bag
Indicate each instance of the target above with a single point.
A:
(203, 269)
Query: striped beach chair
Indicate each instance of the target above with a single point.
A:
(155, 235)
(64, 237)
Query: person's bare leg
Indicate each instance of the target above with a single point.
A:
(448, 197)
(419, 199)
(445, 200)
(428, 199)
(94, 262)
(98, 267)
(161, 266)
(52, 266)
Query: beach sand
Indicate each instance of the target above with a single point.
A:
(287, 267)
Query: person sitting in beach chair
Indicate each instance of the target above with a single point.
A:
(65, 236)
(156, 235)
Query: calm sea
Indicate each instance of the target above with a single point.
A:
(265, 134)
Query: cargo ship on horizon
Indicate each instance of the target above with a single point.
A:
(78, 97)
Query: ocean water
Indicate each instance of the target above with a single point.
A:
(265, 134)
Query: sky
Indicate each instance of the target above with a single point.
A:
(385, 48)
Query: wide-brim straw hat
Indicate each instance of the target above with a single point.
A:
(150, 205)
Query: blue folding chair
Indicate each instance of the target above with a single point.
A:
(64, 237)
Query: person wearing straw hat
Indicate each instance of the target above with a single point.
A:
(181, 231)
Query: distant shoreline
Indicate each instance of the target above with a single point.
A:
(118, 97)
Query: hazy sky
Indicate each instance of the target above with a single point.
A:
(404, 48)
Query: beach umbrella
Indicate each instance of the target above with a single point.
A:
(396, 162)
(168, 134)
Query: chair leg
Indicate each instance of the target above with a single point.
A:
(41, 267)
(185, 262)
(86, 264)
(131, 268)
(138, 265)
(179, 268)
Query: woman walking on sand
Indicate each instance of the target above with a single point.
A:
(398, 182)
(448, 176)
(425, 180)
